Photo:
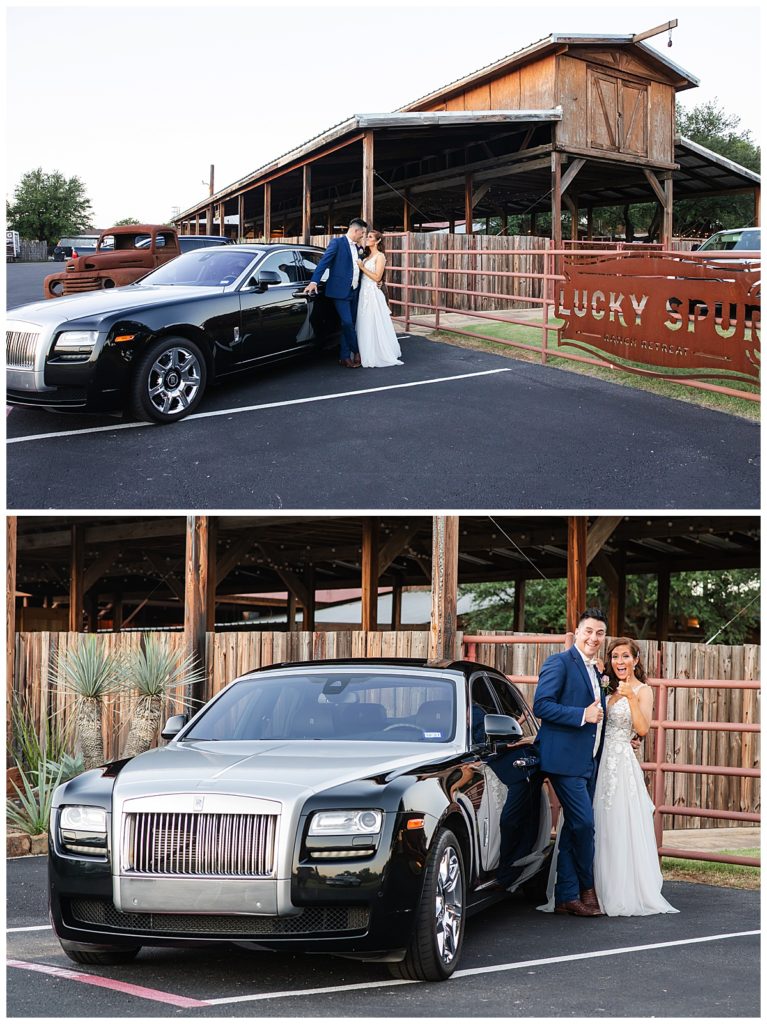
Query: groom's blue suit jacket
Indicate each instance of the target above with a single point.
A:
(338, 259)
(563, 691)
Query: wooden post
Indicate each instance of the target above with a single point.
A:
(370, 574)
(292, 606)
(518, 624)
(209, 220)
(76, 579)
(406, 211)
(310, 608)
(664, 594)
(620, 623)
(330, 218)
(11, 524)
(92, 608)
(533, 222)
(444, 587)
(368, 182)
(396, 604)
(117, 611)
(576, 569)
(589, 223)
(241, 217)
(573, 220)
(757, 206)
(210, 604)
(306, 225)
(221, 219)
(668, 211)
(197, 582)
(468, 204)
(267, 211)
(556, 199)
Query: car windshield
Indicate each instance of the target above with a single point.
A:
(746, 238)
(352, 704)
(206, 268)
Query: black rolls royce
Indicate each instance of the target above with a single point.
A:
(153, 346)
(360, 807)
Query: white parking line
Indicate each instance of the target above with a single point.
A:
(480, 970)
(259, 408)
(31, 928)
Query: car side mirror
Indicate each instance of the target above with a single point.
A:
(173, 726)
(266, 277)
(502, 727)
(695, 246)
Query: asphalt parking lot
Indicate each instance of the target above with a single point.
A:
(452, 428)
(517, 962)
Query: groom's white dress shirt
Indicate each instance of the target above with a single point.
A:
(355, 268)
(591, 671)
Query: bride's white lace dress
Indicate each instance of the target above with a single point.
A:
(376, 338)
(627, 876)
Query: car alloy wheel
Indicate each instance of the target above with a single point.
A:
(448, 906)
(437, 937)
(174, 381)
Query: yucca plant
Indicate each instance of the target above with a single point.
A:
(31, 745)
(33, 812)
(92, 674)
(153, 672)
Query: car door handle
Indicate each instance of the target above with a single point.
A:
(302, 295)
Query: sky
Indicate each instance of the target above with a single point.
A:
(139, 101)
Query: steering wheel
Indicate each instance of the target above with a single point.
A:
(404, 725)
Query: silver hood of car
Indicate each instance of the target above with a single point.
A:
(284, 770)
(111, 300)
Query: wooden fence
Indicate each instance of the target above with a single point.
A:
(231, 654)
(481, 269)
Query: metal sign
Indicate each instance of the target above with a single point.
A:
(683, 315)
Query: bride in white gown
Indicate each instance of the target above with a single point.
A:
(627, 876)
(377, 341)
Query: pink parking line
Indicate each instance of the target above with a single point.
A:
(117, 986)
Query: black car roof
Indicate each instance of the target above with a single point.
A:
(460, 666)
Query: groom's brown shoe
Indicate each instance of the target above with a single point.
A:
(578, 908)
(589, 899)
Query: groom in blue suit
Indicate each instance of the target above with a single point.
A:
(570, 703)
(340, 260)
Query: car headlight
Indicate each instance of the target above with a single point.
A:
(75, 343)
(83, 829)
(346, 823)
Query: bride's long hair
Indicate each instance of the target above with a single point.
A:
(639, 670)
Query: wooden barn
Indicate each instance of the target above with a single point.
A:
(571, 122)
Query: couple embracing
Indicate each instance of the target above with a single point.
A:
(606, 858)
(353, 283)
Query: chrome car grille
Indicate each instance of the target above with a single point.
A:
(311, 920)
(20, 349)
(200, 844)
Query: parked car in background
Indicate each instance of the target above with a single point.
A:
(154, 346)
(360, 807)
(122, 255)
(748, 239)
(83, 244)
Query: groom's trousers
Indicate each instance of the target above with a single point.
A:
(575, 860)
(347, 313)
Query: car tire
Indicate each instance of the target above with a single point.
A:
(435, 947)
(169, 380)
(78, 952)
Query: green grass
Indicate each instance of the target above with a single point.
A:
(710, 873)
(534, 336)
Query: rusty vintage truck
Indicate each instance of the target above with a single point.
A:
(123, 255)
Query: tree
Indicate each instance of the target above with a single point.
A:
(711, 598)
(47, 206)
(126, 221)
(710, 126)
